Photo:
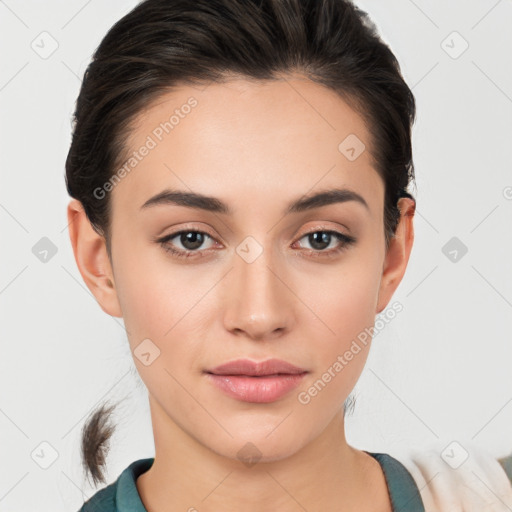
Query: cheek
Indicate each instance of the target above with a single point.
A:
(168, 304)
(348, 309)
(154, 294)
(344, 303)
(159, 304)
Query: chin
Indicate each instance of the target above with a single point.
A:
(259, 448)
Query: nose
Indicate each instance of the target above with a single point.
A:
(258, 302)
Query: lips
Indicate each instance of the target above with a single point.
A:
(257, 369)
(259, 382)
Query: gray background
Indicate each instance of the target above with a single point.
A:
(439, 372)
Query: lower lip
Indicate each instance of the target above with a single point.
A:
(257, 389)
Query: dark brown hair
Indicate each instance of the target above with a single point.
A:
(160, 44)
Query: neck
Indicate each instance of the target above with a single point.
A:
(325, 474)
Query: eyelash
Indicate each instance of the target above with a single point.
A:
(345, 242)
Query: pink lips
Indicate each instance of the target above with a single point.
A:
(261, 382)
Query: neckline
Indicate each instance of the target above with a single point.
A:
(127, 496)
(402, 488)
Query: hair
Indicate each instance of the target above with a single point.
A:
(161, 44)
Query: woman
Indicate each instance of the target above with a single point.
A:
(239, 173)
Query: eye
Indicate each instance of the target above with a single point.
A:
(319, 240)
(190, 241)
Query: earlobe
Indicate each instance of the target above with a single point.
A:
(397, 256)
(90, 251)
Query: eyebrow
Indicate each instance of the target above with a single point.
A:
(213, 204)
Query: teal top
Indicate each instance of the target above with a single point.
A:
(122, 495)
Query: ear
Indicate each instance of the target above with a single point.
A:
(92, 259)
(398, 253)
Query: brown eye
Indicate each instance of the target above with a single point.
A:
(320, 240)
(190, 240)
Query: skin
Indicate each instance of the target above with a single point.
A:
(257, 147)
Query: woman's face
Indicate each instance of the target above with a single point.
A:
(253, 280)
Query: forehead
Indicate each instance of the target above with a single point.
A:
(248, 138)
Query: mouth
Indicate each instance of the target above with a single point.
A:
(257, 382)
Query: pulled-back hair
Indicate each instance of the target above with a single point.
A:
(161, 44)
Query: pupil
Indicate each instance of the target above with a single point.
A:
(191, 240)
(324, 237)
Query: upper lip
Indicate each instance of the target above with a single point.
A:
(252, 368)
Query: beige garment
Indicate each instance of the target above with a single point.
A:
(458, 477)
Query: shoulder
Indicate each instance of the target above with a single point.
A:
(103, 500)
(460, 474)
(121, 495)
